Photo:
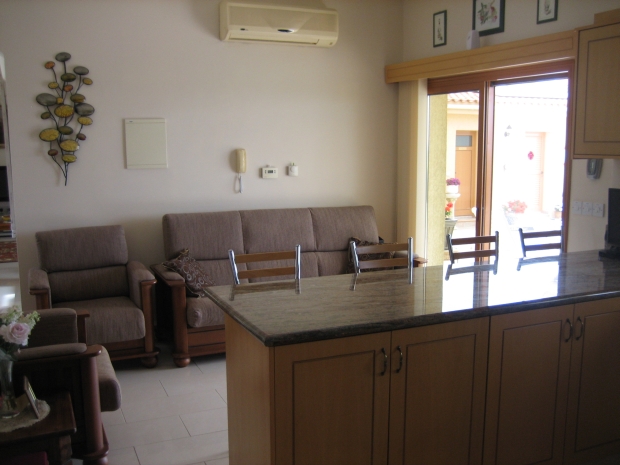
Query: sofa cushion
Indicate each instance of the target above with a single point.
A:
(208, 235)
(192, 273)
(203, 312)
(97, 283)
(81, 248)
(335, 225)
(277, 230)
(331, 263)
(112, 319)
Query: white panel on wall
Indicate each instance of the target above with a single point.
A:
(145, 143)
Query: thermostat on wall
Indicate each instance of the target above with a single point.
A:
(269, 172)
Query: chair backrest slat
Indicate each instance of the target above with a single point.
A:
(383, 263)
(359, 265)
(265, 257)
(476, 240)
(381, 248)
(538, 234)
(266, 272)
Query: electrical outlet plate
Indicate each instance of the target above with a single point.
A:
(598, 209)
(586, 208)
(575, 207)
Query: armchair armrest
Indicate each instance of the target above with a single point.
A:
(141, 282)
(50, 351)
(55, 326)
(138, 275)
(39, 285)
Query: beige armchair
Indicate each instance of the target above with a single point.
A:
(56, 361)
(88, 269)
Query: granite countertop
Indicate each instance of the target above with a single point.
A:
(344, 305)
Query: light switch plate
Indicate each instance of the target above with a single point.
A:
(598, 209)
(586, 208)
(575, 207)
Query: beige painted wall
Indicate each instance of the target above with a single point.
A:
(327, 110)
(585, 232)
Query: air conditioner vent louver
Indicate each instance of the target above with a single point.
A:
(285, 24)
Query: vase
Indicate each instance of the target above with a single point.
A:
(452, 189)
(8, 409)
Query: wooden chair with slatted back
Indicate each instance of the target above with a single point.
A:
(357, 251)
(476, 240)
(538, 234)
(238, 275)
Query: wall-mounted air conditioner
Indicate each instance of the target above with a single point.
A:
(244, 21)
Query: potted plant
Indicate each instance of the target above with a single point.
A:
(512, 208)
(452, 185)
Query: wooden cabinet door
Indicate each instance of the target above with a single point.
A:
(527, 387)
(332, 401)
(597, 111)
(593, 421)
(437, 393)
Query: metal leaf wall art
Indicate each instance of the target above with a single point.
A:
(67, 110)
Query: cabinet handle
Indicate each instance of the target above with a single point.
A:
(570, 333)
(400, 363)
(582, 326)
(385, 360)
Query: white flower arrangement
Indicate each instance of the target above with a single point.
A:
(15, 328)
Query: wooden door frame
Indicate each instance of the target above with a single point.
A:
(474, 159)
(484, 83)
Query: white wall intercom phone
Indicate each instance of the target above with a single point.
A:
(240, 166)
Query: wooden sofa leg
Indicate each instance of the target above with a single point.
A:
(182, 361)
(149, 362)
(181, 340)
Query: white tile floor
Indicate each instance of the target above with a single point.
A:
(170, 415)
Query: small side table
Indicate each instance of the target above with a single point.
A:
(52, 434)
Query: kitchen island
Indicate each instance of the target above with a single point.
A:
(515, 365)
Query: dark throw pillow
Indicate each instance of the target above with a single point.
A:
(367, 256)
(191, 271)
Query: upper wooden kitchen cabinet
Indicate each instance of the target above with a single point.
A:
(527, 387)
(597, 108)
(437, 393)
(593, 420)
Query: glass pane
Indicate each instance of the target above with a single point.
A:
(463, 141)
(453, 153)
(528, 161)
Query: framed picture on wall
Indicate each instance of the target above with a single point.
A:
(488, 16)
(440, 28)
(547, 11)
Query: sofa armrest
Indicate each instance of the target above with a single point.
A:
(168, 277)
(39, 285)
(55, 326)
